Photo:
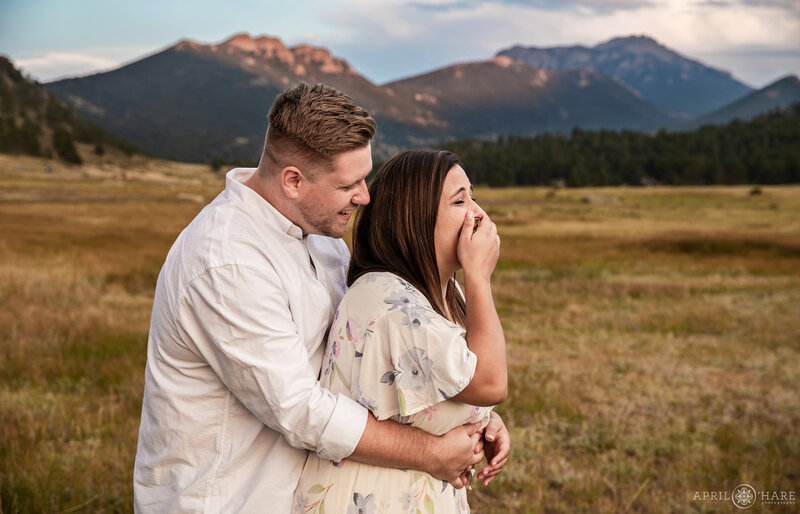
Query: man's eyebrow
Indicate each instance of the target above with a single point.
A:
(352, 184)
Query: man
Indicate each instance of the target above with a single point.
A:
(241, 310)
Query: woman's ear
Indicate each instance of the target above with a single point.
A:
(291, 177)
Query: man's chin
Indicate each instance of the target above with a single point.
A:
(334, 231)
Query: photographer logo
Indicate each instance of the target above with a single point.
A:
(744, 496)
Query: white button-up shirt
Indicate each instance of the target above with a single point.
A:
(237, 334)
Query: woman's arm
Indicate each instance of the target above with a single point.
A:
(478, 251)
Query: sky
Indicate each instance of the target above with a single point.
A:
(384, 40)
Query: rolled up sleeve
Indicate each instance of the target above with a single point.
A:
(343, 431)
(239, 320)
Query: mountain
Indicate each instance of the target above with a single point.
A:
(197, 102)
(660, 75)
(779, 95)
(504, 96)
(35, 122)
(202, 102)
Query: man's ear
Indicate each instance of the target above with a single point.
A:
(291, 178)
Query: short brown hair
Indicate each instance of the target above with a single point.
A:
(394, 232)
(310, 124)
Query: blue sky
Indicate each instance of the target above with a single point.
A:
(757, 40)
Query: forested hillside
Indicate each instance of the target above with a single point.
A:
(35, 122)
(765, 150)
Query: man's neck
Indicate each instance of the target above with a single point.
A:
(272, 194)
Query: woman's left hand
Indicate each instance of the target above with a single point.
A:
(496, 448)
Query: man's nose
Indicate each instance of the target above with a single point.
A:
(362, 196)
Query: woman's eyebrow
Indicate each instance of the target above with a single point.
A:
(460, 190)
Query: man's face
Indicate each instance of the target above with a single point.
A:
(327, 204)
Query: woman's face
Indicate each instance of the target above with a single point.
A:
(456, 200)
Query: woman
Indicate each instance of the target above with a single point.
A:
(404, 342)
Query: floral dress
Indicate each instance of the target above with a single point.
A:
(391, 352)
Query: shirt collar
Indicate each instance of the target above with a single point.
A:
(234, 183)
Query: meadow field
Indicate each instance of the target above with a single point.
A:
(653, 338)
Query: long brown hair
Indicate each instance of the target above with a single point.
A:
(394, 232)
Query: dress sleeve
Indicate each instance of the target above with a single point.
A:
(414, 359)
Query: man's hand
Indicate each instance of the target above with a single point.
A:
(497, 447)
(457, 450)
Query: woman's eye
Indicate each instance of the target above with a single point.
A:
(458, 202)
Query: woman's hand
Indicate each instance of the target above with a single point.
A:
(497, 447)
(459, 449)
(478, 246)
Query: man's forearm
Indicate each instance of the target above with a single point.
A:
(390, 444)
(447, 457)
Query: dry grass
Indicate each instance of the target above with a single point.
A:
(654, 340)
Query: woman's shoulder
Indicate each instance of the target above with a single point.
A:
(380, 293)
(386, 289)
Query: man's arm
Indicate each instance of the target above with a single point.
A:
(240, 322)
(390, 444)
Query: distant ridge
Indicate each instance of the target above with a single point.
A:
(660, 75)
(781, 94)
(505, 96)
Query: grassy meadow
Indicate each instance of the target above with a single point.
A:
(653, 337)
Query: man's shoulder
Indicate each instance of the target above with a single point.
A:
(222, 234)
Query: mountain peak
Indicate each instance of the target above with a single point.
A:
(633, 43)
(188, 44)
(261, 45)
(659, 74)
(322, 57)
(633, 38)
(787, 80)
(503, 61)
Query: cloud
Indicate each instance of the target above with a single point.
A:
(786, 5)
(589, 6)
(715, 3)
(756, 65)
(49, 65)
(430, 34)
(57, 64)
(789, 5)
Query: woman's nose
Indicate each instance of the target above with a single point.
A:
(479, 213)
